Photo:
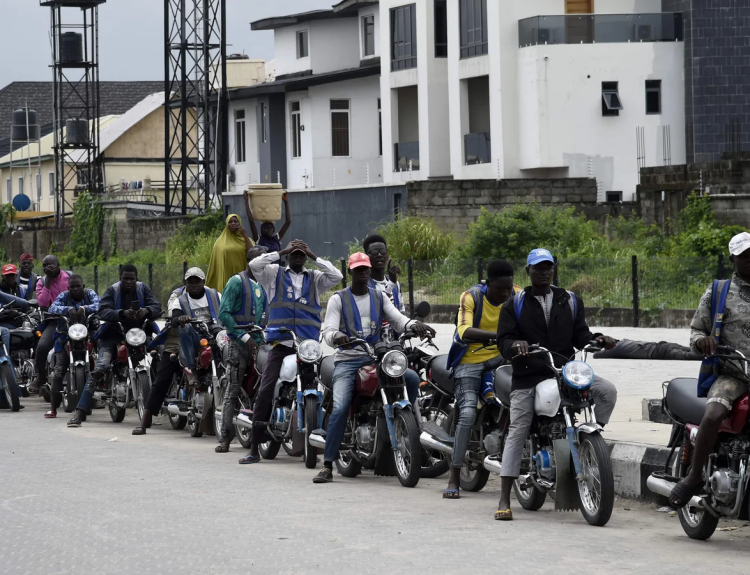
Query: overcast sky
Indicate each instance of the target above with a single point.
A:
(130, 36)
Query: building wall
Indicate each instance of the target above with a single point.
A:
(285, 50)
(144, 140)
(334, 44)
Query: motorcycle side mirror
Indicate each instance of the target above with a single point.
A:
(423, 309)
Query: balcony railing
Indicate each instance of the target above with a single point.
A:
(600, 28)
(406, 156)
(477, 148)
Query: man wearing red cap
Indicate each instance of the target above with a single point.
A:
(358, 312)
(27, 279)
(9, 281)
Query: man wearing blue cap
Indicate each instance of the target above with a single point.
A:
(555, 319)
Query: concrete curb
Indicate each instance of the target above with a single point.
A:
(632, 463)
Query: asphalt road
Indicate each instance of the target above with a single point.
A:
(78, 501)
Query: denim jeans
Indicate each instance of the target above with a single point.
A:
(238, 362)
(189, 345)
(468, 383)
(103, 365)
(344, 379)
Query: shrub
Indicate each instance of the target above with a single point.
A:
(414, 238)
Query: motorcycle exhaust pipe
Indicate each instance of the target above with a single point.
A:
(175, 410)
(491, 464)
(429, 441)
(317, 441)
(243, 421)
(664, 488)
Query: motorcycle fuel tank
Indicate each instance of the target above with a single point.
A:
(289, 368)
(367, 381)
(547, 398)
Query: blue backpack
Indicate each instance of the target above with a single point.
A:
(709, 372)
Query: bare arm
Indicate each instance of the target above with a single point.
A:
(251, 219)
(288, 214)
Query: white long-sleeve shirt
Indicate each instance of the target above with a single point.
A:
(332, 324)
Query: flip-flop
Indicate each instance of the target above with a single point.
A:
(682, 494)
(451, 494)
(50, 415)
(248, 459)
(140, 430)
(503, 515)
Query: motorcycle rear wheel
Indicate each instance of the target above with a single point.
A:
(116, 413)
(435, 463)
(408, 454)
(10, 386)
(596, 494)
(473, 475)
(218, 392)
(311, 423)
(177, 422)
(698, 525)
(529, 497)
(269, 449)
(194, 426)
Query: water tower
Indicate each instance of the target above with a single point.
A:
(76, 111)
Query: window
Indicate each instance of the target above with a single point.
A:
(404, 37)
(20, 186)
(380, 128)
(653, 96)
(303, 50)
(8, 190)
(579, 6)
(339, 127)
(614, 196)
(611, 104)
(39, 187)
(473, 28)
(441, 29)
(368, 36)
(263, 127)
(296, 130)
(51, 184)
(240, 144)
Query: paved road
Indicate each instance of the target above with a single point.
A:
(72, 501)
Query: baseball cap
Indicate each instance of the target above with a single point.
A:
(737, 245)
(9, 269)
(358, 260)
(538, 256)
(195, 273)
(26, 256)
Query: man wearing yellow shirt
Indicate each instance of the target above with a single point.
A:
(478, 315)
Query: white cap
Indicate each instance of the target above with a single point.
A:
(195, 273)
(739, 244)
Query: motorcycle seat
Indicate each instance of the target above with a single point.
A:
(260, 360)
(326, 371)
(440, 374)
(682, 400)
(503, 383)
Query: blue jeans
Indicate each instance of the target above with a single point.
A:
(468, 382)
(189, 345)
(5, 334)
(344, 379)
(103, 364)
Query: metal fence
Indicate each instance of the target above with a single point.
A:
(638, 284)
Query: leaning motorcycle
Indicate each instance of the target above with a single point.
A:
(381, 422)
(727, 479)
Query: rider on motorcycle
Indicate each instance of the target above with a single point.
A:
(128, 303)
(478, 314)
(244, 303)
(545, 315)
(294, 303)
(77, 303)
(731, 383)
(181, 341)
(357, 312)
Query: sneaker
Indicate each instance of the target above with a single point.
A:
(325, 476)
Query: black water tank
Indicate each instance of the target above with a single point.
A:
(71, 48)
(18, 128)
(77, 132)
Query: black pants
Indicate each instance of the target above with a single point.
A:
(62, 362)
(42, 350)
(264, 399)
(165, 373)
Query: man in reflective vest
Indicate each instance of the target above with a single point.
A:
(358, 312)
(294, 296)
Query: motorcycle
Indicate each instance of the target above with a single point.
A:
(192, 399)
(8, 380)
(727, 480)
(82, 358)
(23, 342)
(381, 416)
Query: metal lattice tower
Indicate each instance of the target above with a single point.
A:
(75, 63)
(195, 121)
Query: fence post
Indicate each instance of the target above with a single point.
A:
(480, 270)
(150, 276)
(344, 271)
(96, 279)
(184, 269)
(411, 286)
(636, 300)
(555, 277)
(722, 269)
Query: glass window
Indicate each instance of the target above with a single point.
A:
(340, 127)
(380, 127)
(653, 96)
(263, 127)
(240, 145)
(303, 50)
(368, 36)
(611, 103)
(473, 28)
(20, 186)
(404, 37)
(38, 187)
(296, 130)
(441, 29)
(51, 184)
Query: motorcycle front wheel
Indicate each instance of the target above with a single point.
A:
(218, 392)
(596, 493)
(116, 413)
(408, 452)
(311, 423)
(143, 389)
(10, 386)
(269, 449)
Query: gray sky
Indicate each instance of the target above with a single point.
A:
(130, 36)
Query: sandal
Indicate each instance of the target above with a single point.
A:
(451, 494)
(50, 415)
(140, 430)
(503, 515)
(248, 459)
(74, 422)
(682, 494)
(222, 448)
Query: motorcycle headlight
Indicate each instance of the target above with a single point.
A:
(310, 351)
(135, 337)
(394, 363)
(578, 374)
(77, 332)
(222, 339)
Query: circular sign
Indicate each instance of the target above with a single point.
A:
(22, 202)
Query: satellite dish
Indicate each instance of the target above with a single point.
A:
(22, 202)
